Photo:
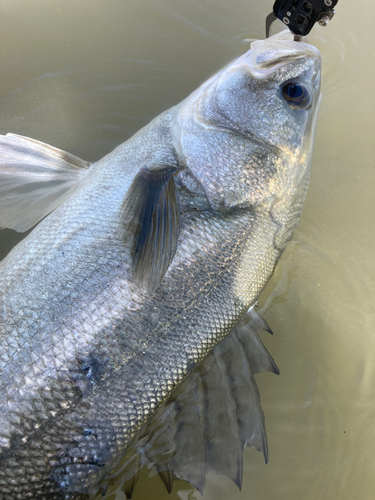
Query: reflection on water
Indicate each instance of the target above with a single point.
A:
(84, 76)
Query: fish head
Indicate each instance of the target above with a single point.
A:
(246, 134)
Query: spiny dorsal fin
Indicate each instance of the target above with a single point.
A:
(151, 216)
(35, 178)
(204, 427)
(128, 486)
(209, 419)
(246, 331)
(167, 477)
(255, 321)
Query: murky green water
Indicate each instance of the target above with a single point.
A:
(84, 75)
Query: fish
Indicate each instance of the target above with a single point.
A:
(128, 322)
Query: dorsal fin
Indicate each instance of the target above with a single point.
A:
(35, 178)
(206, 423)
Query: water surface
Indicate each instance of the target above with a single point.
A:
(85, 75)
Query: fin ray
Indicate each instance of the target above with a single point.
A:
(246, 331)
(167, 477)
(151, 211)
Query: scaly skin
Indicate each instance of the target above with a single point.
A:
(87, 353)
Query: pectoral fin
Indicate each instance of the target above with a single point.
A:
(151, 215)
(35, 178)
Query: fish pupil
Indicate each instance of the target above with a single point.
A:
(294, 91)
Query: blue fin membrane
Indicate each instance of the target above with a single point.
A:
(209, 419)
(35, 178)
(151, 217)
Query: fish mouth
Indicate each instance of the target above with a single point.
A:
(267, 56)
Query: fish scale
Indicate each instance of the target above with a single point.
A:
(91, 349)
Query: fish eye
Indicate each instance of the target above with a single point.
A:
(297, 95)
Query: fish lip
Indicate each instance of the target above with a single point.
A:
(267, 56)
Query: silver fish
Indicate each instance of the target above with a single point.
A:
(148, 259)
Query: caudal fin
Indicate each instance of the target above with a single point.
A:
(35, 178)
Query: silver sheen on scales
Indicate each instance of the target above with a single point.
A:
(127, 322)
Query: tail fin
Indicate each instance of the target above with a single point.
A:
(35, 178)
